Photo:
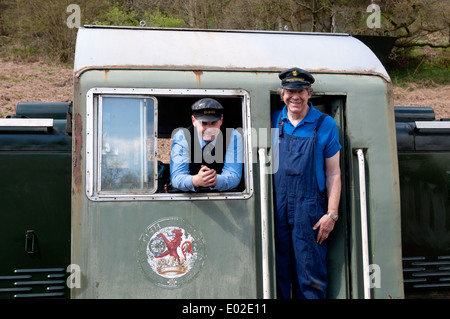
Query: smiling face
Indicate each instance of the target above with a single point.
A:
(297, 101)
(207, 130)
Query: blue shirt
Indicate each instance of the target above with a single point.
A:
(181, 177)
(327, 137)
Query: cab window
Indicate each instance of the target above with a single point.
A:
(128, 141)
(126, 146)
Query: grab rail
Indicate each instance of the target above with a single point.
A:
(364, 229)
(264, 223)
(12, 122)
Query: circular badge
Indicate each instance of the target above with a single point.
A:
(171, 252)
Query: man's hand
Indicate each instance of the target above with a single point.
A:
(206, 177)
(325, 226)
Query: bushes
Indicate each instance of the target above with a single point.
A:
(119, 15)
(423, 65)
(37, 29)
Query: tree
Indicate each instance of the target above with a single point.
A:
(417, 22)
(39, 27)
(32, 27)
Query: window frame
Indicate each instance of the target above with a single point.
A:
(94, 141)
(93, 152)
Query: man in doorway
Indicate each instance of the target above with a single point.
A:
(307, 189)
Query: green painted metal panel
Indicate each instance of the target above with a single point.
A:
(35, 166)
(366, 107)
(112, 237)
(35, 222)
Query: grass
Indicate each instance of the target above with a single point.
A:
(424, 76)
(422, 66)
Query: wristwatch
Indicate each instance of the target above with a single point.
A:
(333, 216)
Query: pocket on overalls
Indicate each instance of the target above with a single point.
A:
(304, 215)
(297, 158)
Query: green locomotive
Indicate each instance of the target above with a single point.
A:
(85, 191)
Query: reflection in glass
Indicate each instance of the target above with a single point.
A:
(126, 144)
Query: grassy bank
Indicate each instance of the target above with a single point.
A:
(424, 67)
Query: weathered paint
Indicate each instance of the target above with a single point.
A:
(198, 75)
(222, 50)
(77, 155)
(362, 107)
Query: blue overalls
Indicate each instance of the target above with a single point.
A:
(299, 204)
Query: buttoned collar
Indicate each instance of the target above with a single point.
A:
(203, 142)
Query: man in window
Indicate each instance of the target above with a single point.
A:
(205, 156)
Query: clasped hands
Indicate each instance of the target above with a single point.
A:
(206, 177)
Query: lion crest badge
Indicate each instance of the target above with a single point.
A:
(171, 252)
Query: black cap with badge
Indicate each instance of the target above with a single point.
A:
(207, 110)
(296, 79)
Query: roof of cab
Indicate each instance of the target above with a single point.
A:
(193, 49)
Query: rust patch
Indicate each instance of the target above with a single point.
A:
(76, 172)
(196, 68)
(198, 76)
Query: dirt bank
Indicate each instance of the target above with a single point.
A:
(437, 97)
(41, 82)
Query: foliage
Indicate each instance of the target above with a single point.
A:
(162, 19)
(33, 28)
(425, 66)
(117, 15)
(36, 28)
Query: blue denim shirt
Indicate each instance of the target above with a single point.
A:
(327, 137)
(181, 177)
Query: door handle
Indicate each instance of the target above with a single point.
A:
(30, 241)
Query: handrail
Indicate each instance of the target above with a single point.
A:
(432, 125)
(364, 229)
(26, 122)
(264, 224)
